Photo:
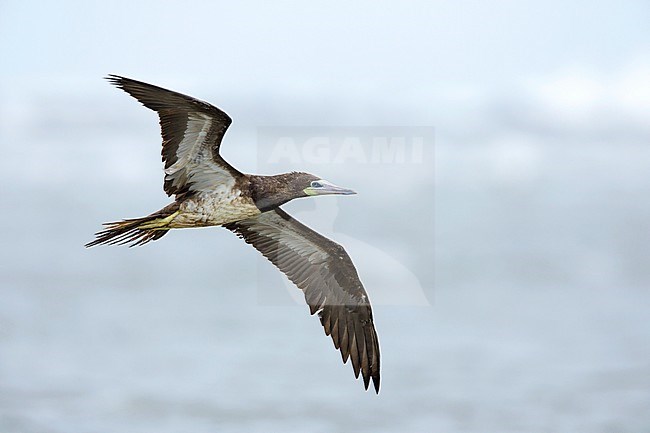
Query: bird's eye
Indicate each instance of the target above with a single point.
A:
(315, 184)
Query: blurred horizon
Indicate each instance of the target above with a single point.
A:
(508, 267)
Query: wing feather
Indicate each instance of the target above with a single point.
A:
(324, 272)
(192, 131)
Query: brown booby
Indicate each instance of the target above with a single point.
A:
(210, 192)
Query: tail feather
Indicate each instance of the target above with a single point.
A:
(137, 231)
(124, 232)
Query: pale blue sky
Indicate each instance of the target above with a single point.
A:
(540, 180)
(323, 47)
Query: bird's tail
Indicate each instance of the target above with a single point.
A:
(136, 231)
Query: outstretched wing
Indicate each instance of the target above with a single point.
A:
(324, 272)
(192, 131)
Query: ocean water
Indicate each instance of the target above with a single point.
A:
(510, 286)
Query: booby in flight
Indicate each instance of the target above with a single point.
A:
(210, 192)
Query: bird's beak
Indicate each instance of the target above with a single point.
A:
(328, 189)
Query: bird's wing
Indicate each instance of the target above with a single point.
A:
(192, 131)
(324, 272)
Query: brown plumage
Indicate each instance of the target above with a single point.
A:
(324, 272)
(208, 191)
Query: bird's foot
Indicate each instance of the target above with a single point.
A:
(159, 223)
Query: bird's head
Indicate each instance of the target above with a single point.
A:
(311, 185)
(273, 191)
